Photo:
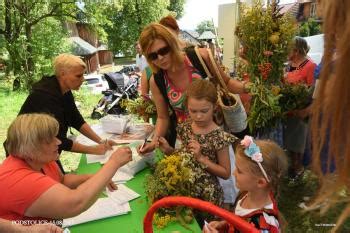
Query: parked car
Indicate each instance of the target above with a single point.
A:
(96, 83)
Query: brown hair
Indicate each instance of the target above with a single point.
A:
(28, 131)
(331, 112)
(202, 89)
(156, 31)
(274, 162)
(300, 45)
(171, 23)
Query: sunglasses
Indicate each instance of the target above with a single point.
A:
(162, 51)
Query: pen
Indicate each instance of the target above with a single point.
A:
(144, 142)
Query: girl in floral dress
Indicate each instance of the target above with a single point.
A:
(202, 137)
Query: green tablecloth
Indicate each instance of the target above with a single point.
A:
(131, 222)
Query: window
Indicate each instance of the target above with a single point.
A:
(313, 10)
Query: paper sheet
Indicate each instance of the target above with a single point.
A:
(102, 208)
(123, 194)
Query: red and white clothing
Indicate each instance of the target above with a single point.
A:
(304, 73)
(264, 219)
(21, 186)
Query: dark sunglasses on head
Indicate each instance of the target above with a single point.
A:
(162, 51)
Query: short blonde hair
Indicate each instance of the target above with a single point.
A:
(275, 162)
(66, 61)
(156, 31)
(28, 131)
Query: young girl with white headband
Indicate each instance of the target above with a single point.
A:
(260, 165)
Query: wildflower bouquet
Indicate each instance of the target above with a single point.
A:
(174, 175)
(266, 36)
(142, 106)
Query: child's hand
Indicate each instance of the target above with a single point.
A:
(194, 147)
(214, 227)
(164, 146)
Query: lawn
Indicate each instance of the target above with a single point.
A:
(291, 193)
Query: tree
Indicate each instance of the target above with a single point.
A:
(20, 17)
(130, 20)
(177, 6)
(33, 32)
(206, 25)
(309, 28)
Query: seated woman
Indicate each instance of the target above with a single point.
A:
(35, 187)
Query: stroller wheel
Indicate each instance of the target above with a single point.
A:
(96, 115)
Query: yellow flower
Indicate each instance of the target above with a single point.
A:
(275, 90)
(274, 38)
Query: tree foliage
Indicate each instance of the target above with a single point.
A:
(17, 25)
(177, 6)
(32, 33)
(130, 20)
(309, 28)
(206, 25)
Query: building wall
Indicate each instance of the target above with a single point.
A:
(226, 28)
(105, 57)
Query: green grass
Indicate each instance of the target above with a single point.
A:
(291, 193)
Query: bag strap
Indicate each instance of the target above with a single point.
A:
(217, 72)
(203, 63)
(192, 55)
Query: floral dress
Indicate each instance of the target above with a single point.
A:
(208, 187)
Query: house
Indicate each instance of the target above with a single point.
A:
(86, 44)
(189, 36)
(302, 10)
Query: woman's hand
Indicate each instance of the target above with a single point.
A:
(41, 228)
(111, 186)
(146, 148)
(164, 146)
(121, 156)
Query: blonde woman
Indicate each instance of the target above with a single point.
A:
(33, 187)
(53, 95)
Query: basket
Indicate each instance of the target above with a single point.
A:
(205, 206)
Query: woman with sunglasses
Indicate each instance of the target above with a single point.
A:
(173, 72)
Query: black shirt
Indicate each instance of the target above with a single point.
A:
(46, 97)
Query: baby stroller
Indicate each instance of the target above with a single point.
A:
(121, 87)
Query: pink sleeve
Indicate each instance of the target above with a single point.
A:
(25, 188)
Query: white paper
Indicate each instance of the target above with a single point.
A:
(138, 162)
(121, 177)
(102, 208)
(123, 194)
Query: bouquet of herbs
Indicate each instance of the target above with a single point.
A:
(266, 36)
(174, 175)
(295, 96)
(142, 106)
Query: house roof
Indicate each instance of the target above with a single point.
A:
(81, 47)
(102, 47)
(193, 33)
(207, 35)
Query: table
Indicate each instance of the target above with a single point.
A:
(131, 222)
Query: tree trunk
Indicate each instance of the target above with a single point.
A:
(29, 63)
